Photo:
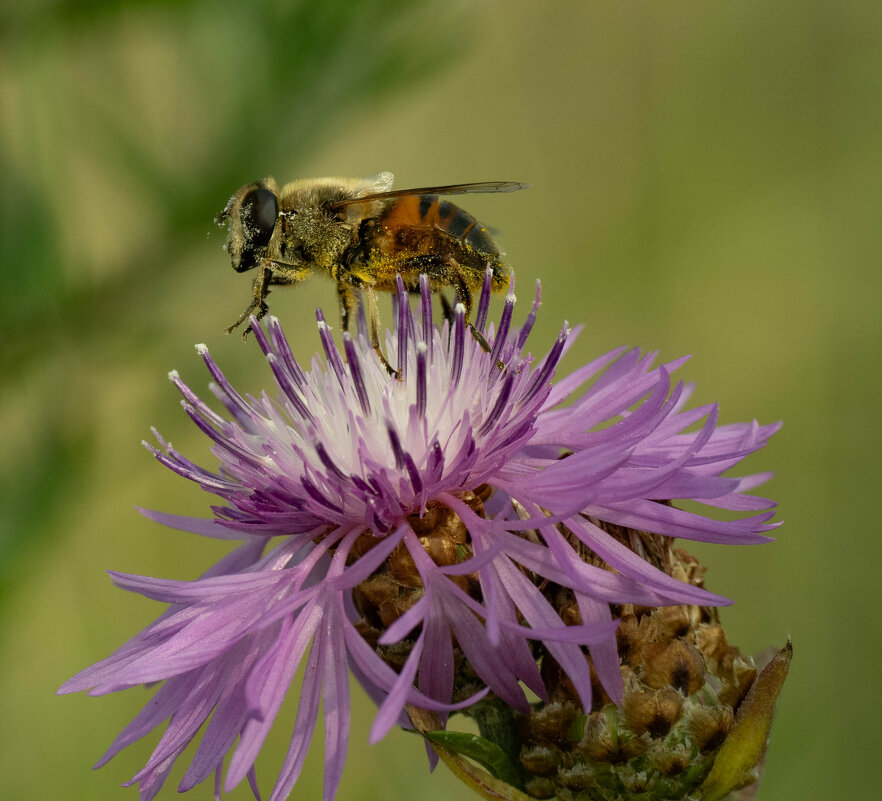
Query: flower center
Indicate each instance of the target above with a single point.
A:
(397, 584)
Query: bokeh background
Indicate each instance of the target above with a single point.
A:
(706, 179)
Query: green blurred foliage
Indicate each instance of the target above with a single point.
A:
(705, 180)
(125, 127)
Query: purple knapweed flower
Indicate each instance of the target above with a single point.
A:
(407, 528)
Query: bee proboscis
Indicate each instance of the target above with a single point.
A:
(362, 234)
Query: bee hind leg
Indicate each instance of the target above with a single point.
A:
(464, 296)
(482, 341)
(447, 310)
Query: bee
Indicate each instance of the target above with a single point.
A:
(362, 234)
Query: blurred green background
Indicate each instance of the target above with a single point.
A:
(706, 179)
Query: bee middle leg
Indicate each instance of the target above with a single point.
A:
(374, 314)
(346, 299)
(446, 308)
(346, 296)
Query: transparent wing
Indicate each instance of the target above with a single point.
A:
(452, 189)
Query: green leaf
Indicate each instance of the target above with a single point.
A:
(486, 785)
(488, 754)
(744, 747)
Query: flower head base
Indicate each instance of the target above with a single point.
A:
(454, 533)
(687, 694)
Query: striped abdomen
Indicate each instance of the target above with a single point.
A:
(423, 235)
(430, 212)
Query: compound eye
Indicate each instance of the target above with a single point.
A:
(259, 212)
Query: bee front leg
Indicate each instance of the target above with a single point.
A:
(270, 271)
(259, 290)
